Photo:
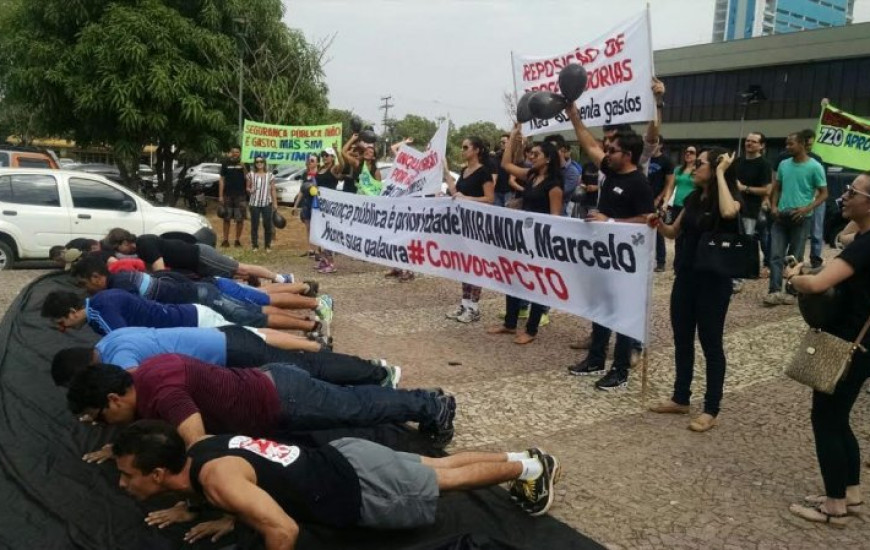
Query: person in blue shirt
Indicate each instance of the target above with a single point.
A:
(168, 287)
(229, 346)
(114, 309)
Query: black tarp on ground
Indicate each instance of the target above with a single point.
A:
(50, 499)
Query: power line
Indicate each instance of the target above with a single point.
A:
(386, 108)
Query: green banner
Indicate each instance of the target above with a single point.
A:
(287, 144)
(842, 139)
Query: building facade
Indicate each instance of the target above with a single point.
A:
(737, 19)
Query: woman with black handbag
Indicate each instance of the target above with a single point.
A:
(701, 295)
(836, 447)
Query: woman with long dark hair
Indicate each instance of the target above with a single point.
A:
(836, 447)
(683, 181)
(700, 299)
(475, 184)
(542, 193)
(364, 165)
(264, 199)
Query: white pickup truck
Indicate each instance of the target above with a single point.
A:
(41, 208)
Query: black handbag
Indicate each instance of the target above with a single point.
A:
(727, 254)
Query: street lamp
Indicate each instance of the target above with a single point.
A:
(750, 96)
(241, 24)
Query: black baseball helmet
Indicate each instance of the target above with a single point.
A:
(278, 220)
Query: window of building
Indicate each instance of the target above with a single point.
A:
(35, 189)
(96, 195)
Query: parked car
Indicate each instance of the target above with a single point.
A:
(288, 182)
(65, 163)
(25, 157)
(108, 171)
(43, 208)
(207, 175)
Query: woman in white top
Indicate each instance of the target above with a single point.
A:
(264, 199)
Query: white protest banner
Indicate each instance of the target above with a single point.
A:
(418, 173)
(620, 70)
(600, 271)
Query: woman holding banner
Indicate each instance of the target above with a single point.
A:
(542, 193)
(700, 299)
(327, 178)
(475, 184)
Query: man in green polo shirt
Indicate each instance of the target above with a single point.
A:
(800, 187)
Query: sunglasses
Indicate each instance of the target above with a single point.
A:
(466, 147)
(851, 192)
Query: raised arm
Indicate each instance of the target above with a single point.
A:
(345, 151)
(652, 129)
(394, 148)
(728, 207)
(508, 155)
(584, 137)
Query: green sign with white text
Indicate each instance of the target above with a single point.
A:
(287, 144)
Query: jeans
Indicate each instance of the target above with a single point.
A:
(817, 233)
(699, 302)
(762, 229)
(502, 198)
(661, 251)
(235, 311)
(309, 404)
(836, 447)
(785, 238)
(512, 312)
(598, 349)
(266, 213)
(245, 349)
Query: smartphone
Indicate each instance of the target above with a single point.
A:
(790, 261)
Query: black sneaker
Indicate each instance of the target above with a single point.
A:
(516, 486)
(538, 493)
(225, 244)
(586, 368)
(442, 431)
(238, 244)
(613, 380)
(313, 289)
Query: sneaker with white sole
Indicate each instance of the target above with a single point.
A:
(325, 312)
(394, 375)
(469, 316)
(613, 380)
(538, 494)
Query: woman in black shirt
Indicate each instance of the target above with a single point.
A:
(700, 299)
(836, 447)
(542, 194)
(327, 178)
(475, 184)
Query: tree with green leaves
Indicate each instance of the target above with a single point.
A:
(125, 73)
(419, 129)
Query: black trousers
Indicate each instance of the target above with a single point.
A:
(246, 349)
(699, 303)
(836, 447)
(512, 314)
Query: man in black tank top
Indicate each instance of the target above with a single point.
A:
(273, 487)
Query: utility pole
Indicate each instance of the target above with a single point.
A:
(386, 108)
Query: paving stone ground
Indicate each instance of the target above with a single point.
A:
(632, 479)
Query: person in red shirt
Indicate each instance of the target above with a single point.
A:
(199, 399)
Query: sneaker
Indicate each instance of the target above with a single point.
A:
(442, 431)
(255, 248)
(524, 313)
(456, 313)
(321, 264)
(778, 299)
(268, 250)
(288, 277)
(313, 288)
(325, 342)
(325, 312)
(613, 380)
(586, 368)
(225, 244)
(469, 316)
(538, 493)
(394, 374)
(237, 244)
(328, 268)
(515, 488)
(545, 320)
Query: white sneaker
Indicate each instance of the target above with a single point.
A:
(456, 313)
(469, 316)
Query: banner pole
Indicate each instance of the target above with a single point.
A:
(514, 75)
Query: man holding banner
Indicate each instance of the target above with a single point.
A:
(625, 196)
